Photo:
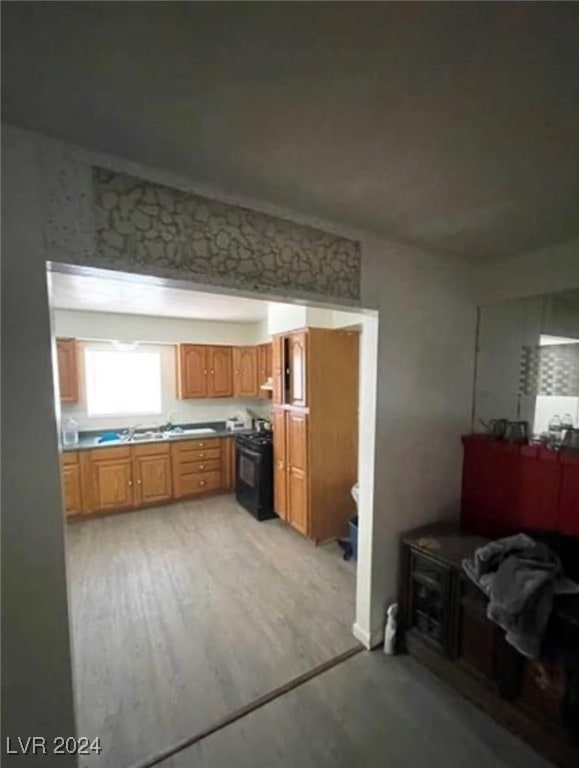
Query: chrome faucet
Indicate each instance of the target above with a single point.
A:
(131, 431)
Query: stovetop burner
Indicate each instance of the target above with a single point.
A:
(257, 440)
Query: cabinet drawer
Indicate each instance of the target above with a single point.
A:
(106, 454)
(69, 458)
(200, 482)
(195, 467)
(196, 445)
(151, 449)
(186, 457)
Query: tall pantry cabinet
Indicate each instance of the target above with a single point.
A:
(315, 429)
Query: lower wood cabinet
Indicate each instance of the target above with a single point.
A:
(152, 474)
(291, 468)
(111, 479)
(132, 476)
(71, 484)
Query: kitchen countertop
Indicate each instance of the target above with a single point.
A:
(88, 441)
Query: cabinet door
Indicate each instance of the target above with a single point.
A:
(71, 489)
(264, 363)
(297, 368)
(112, 483)
(277, 369)
(279, 464)
(220, 372)
(192, 371)
(67, 370)
(245, 371)
(296, 426)
(153, 479)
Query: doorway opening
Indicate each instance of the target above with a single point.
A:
(210, 446)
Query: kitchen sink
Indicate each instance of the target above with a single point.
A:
(199, 431)
(139, 437)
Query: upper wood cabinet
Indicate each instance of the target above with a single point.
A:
(67, 370)
(245, 372)
(204, 371)
(220, 372)
(192, 376)
(297, 369)
(277, 369)
(264, 365)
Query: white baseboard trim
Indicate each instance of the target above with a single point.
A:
(368, 639)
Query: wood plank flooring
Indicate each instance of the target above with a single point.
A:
(371, 711)
(182, 614)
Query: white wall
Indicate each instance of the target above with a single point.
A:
(178, 411)
(424, 368)
(289, 317)
(425, 376)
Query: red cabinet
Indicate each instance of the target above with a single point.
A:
(507, 487)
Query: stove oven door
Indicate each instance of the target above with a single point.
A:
(248, 474)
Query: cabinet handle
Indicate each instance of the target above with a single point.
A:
(202, 466)
(201, 455)
(205, 372)
(212, 371)
(130, 482)
(139, 481)
(201, 482)
(202, 445)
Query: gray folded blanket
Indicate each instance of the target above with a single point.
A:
(519, 577)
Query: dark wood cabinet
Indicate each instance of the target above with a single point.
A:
(443, 623)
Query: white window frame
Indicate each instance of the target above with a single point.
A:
(129, 370)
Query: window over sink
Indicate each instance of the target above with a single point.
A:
(121, 382)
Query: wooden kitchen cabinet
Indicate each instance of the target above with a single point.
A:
(297, 466)
(192, 376)
(279, 463)
(199, 466)
(112, 478)
(67, 370)
(315, 423)
(204, 371)
(278, 369)
(264, 366)
(297, 369)
(245, 372)
(220, 372)
(152, 474)
(71, 484)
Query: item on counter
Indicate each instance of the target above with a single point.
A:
(571, 439)
(496, 427)
(108, 437)
(517, 432)
(555, 428)
(70, 432)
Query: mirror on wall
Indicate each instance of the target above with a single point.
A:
(527, 364)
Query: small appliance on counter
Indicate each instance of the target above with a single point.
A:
(254, 473)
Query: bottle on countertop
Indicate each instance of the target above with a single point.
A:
(70, 432)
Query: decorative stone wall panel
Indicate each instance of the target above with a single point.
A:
(146, 227)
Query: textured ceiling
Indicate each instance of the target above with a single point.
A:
(450, 125)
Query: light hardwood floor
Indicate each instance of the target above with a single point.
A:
(371, 711)
(182, 614)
